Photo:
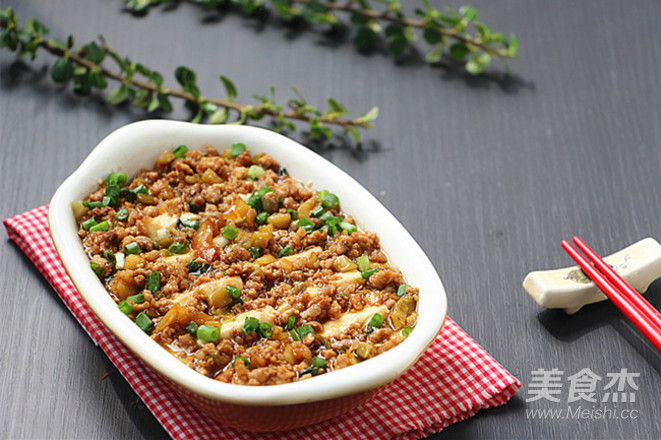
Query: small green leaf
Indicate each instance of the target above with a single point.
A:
(219, 117)
(62, 70)
(229, 87)
(164, 103)
(154, 104)
(435, 55)
(118, 95)
(184, 76)
(94, 53)
(432, 35)
(469, 13)
(57, 44)
(478, 63)
(142, 98)
(364, 38)
(458, 51)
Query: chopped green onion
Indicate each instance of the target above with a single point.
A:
(193, 224)
(310, 370)
(263, 191)
(348, 227)
(265, 329)
(125, 307)
(401, 290)
(92, 205)
(192, 328)
(117, 179)
(322, 194)
(132, 248)
(368, 273)
(137, 299)
(304, 330)
(318, 211)
(112, 192)
(229, 232)
(140, 189)
(154, 281)
(330, 201)
(251, 324)
(256, 252)
(306, 224)
(195, 267)
(234, 293)
(240, 358)
(103, 226)
(208, 333)
(237, 148)
(291, 322)
(87, 224)
(107, 201)
(262, 218)
(178, 247)
(122, 214)
(180, 151)
(287, 250)
(318, 362)
(144, 322)
(293, 213)
(255, 172)
(110, 256)
(406, 331)
(97, 269)
(375, 322)
(363, 263)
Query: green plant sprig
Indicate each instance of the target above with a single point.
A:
(456, 34)
(145, 88)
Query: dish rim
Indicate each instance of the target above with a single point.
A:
(116, 153)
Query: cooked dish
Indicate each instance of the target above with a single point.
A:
(242, 272)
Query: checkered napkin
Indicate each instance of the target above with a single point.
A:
(453, 379)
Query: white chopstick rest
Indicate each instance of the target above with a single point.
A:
(569, 289)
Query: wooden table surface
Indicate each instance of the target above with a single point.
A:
(487, 173)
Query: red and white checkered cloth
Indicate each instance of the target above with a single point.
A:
(453, 379)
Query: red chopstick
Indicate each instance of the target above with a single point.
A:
(636, 298)
(642, 319)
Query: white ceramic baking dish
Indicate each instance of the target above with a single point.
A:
(263, 408)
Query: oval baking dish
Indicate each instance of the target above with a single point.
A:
(273, 407)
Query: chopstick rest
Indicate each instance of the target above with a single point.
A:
(568, 288)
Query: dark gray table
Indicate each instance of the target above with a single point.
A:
(488, 174)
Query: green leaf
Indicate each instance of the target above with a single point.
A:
(219, 117)
(118, 95)
(154, 104)
(372, 114)
(209, 107)
(184, 75)
(469, 13)
(513, 46)
(355, 133)
(229, 87)
(458, 51)
(397, 44)
(62, 70)
(435, 55)
(57, 44)
(478, 63)
(94, 53)
(142, 98)
(432, 35)
(98, 80)
(164, 103)
(337, 107)
(364, 38)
